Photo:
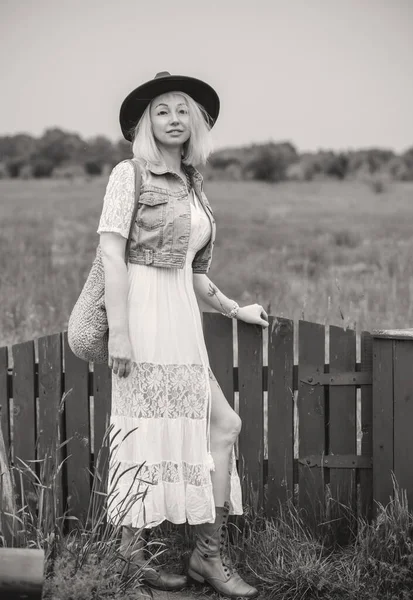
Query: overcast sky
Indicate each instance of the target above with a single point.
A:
(320, 73)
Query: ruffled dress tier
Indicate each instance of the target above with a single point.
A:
(161, 411)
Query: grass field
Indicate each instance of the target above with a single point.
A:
(332, 252)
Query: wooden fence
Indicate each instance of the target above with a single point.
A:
(328, 423)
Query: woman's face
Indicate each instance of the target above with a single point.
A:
(170, 120)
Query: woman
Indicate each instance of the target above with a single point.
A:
(163, 387)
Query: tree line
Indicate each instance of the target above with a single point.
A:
(59, 153)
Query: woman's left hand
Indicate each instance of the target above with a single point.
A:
(253, 313)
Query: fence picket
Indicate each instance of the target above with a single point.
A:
(311, 413)
(24, 416)
(383, 455)
(8, 526)
(77, 431)
(251, 411)
(4, 399)
(403, 414)
(366, 475)
(342, 432)
(51, 420)
(280, 413)
(102, 401)
(219, 343)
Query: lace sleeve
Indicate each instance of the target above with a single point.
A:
(118, 201)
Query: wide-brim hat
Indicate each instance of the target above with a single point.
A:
(135, 103)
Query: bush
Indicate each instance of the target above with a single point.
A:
(401, 167)
(42, 167)
(223, 160)
(93, 167)
(338, 166)
(267, 165)
(14, 165)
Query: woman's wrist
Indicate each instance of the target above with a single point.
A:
(232, 312)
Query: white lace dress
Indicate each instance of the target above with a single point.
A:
(167, 394)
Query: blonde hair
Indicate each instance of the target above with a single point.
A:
(196, 149)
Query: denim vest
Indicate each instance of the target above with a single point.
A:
(161, 230)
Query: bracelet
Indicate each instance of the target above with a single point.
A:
(233, 312)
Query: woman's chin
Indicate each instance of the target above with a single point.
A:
(171, 144)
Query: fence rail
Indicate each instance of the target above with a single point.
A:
(310, 414)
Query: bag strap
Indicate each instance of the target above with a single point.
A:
(138, 181)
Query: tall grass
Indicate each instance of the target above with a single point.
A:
(331, 252)
(287, 560)
(82, 558)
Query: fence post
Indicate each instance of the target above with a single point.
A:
(366, 475)
(392, 412)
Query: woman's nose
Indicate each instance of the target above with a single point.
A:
(174, 119)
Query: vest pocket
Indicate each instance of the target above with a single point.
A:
(151, 210)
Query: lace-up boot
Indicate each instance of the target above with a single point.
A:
(209, 561)
(153, 576)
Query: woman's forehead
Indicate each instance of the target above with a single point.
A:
(169, 98)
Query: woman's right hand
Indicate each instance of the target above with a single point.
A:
(120, 354)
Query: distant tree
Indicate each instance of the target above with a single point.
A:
(14, 165)
(264, 166)
(42, 167)
(100, 151)
(93, 167)
(408, 154)
(407, 158)
(337, 166)
(59, 146)
(370, 160)
(271, 161)
(20, 146)
(224, 159)
(123, 150)
(377, 158)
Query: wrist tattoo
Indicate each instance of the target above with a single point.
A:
(213, 291)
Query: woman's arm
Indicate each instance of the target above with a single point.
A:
(213, 297)
(116, 299)
(116, 281)
(210, 294)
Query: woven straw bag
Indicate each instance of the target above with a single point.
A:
(88, 330)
